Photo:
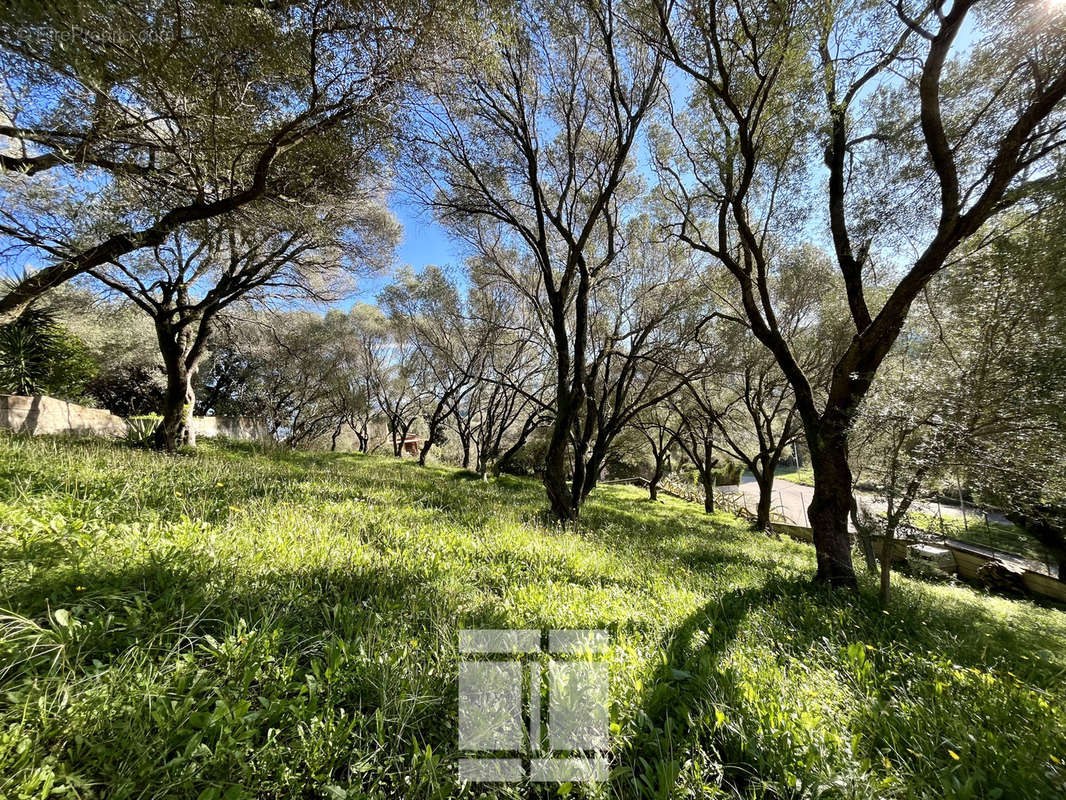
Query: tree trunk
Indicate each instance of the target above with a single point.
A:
(829, 510)
(425, 450)
(178, 401)
(398, 438)
(863, 532)
(766, 494)
(561, 500)
(588, 477)
(656, 476)
(707, 474)
(509, 454)
(887, 546)
(190, 407)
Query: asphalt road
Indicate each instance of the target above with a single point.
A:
(791, 501)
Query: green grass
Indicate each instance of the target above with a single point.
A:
(803, 476)
(230, 624)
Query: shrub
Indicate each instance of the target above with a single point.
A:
(39, 356)
(128, 390)
(728, 474)
(141, 429)
(530, 458)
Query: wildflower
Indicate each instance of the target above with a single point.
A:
(953, 754)
(79, 588)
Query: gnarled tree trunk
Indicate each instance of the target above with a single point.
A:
(830, 507)
(181, 353)
(766, 495)
(563, 505)
(710, 463)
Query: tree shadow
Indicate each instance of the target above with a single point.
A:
(231, 660)
(686, 708)
(672, 718)
(465, 475)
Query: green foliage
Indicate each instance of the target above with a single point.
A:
(140, 430)
(237, 624)
(128, 390)
(727, 474)
(40, 356)
(531, 456)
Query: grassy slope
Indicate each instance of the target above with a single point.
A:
(287, 624)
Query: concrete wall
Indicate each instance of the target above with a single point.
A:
(40, 414)
(247, 428)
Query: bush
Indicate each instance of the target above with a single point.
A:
(530, 459)
(128, 391)
(39, 356)
(141, 429)
(726, 475)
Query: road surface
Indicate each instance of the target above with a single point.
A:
(791, 501)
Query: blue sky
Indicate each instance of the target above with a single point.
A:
(424, 242)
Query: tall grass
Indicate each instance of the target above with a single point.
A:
(235, 623)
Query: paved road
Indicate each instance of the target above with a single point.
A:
(791, 501)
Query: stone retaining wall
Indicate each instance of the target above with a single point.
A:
(40, 414)
(246, 428)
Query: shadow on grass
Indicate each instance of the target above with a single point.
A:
(180, 586)
(465, 475)
(673, 723)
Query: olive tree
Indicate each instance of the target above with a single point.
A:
(922, 140)
(428, 308)
(529, 154)
(125, 124)
(184, 284)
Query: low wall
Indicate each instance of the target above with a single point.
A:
(246, 428)
(797, 532)
(40, 414)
